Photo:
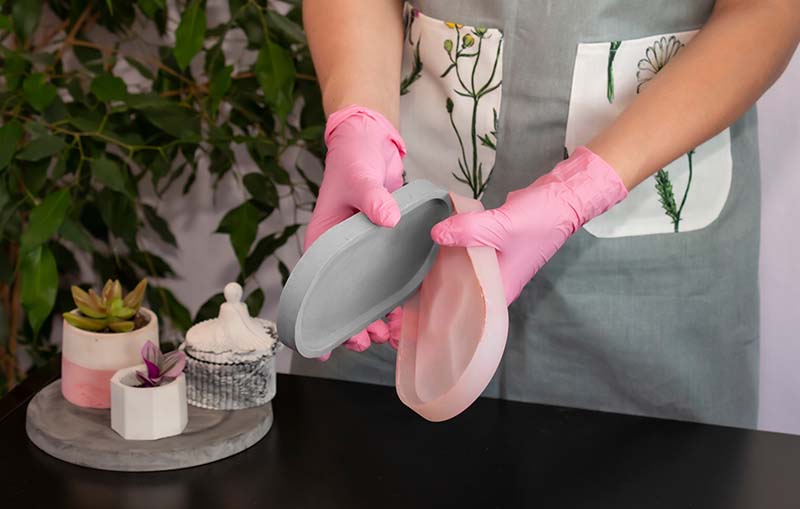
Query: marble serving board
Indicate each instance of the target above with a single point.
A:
(83, 436)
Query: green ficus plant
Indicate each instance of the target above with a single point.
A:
(109, 311)
(86, 156)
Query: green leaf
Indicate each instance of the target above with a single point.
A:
(312, 186)
(108, 88)
(241, 223)
(75, 90)
(88, 121)
(220, 83)
(284, 270)
(266, 247)
(255, 301)
(34, 175)
(10, 135)
(110, 174)
(66, 263)
(190, 34)
(14, 68)
(119, 214)
(39, 285)
(41, 148)
(313, 133)
(151, 7)
(5, 22)
(210, 308)
(276, 172)
(159, 225)
(174, 120)
(275, 72)
(25, 15)
(165, 304)
(46, 219)
(35, 129)
(291, 30)
(247, 18)
(152, 264)
(143, 69)
(91, 58)
(215, 57)
(37, 91)
(261, 189)
(85, 323)
(72, 231)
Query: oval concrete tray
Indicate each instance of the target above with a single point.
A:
(83, 436)
(356, 272)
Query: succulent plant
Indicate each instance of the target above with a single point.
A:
(161, 368)
(107, 311)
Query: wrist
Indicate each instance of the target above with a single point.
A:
(588, 184)
(376, 119)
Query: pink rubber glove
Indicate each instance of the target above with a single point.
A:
(363, 167)
(536, 221)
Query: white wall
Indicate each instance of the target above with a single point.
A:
(779, 140)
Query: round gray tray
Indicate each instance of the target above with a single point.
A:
(83, 436)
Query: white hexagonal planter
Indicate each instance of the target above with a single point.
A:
(147, 413)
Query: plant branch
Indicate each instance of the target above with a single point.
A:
(69, 41)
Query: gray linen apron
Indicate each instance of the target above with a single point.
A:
(651, 309)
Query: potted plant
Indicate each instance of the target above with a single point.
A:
(103, 334)
(148, 401)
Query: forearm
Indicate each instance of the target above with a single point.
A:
(357, 50)
(736, 56)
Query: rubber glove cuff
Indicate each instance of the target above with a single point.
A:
(587, 183)
(335, 120)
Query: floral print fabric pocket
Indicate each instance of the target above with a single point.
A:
(687, 194)
(450, 99)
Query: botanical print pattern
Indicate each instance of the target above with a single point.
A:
(667, 196)
(656, 57)
(410, 15)
(612, 52)
(689, 193)
(464, 55)
(450, 94)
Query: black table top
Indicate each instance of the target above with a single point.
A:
(338, 444)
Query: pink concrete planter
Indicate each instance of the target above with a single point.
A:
(90, 359)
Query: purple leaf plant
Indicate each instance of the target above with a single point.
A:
(161, 368)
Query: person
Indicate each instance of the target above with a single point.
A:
(614, 146)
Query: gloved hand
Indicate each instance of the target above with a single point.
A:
(363, 167)
(379, 331)
(536, 221)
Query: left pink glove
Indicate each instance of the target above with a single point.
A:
(363, 166)
(536, 221)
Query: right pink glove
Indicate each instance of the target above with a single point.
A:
(534, 222)
(362, 168)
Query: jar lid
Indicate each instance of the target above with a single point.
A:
(356, 272)
(234, 329)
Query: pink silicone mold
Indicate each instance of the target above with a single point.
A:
(454, 330)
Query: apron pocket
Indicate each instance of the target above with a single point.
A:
(449, 101)
(690, 192)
